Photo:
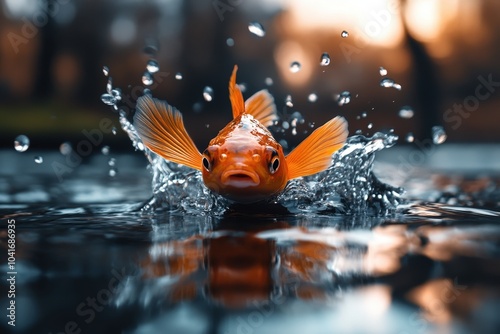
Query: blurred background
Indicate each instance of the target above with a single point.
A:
(444, 54)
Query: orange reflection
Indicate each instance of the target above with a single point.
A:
(236, 266)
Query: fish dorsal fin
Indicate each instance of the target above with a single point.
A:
(162, 130)
(235, 95)
(261, 106)
(314, 154)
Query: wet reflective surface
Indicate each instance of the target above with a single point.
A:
(88, 259)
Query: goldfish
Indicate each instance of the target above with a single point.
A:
(243, 163)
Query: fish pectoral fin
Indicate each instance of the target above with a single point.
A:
(237, 103)
(162, 130)
(261, 106)
(314, 154)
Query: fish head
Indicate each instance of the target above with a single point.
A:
(245, 173)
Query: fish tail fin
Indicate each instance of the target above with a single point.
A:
(314, 154)
(162, 130)
(235, 95)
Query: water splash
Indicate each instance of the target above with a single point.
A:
(348, 186)
(21, 143)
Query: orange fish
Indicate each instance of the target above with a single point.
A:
(244, 163)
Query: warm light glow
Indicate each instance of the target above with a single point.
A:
(427, 19)
(288, 52)
(374, 22)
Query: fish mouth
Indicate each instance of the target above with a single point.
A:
(240, 178)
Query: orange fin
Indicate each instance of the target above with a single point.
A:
(261, 106)
(314, 154)
(235, 95)
(162, 130)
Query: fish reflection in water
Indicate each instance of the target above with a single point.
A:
(398, 275)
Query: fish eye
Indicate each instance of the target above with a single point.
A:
(274, 165)
(206, 161)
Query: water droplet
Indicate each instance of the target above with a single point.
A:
(147, 91)
(178, 76)
(113, 130)
(358, 132)
(283, 143)
(344, 34)
(243, 87)
(117, 94)
(382, 71)
(297, 117)
(21, 143)
(370, 125)
(108, 99)
(269, 81)
(105, 150)
(364, 114)
(406, 112)
(38, 159)
(111, 162)
(105, 70)
(325, 59)
(285, 125)
(151, 49)
(344, 98)
(197, 107)
(288, 101)
(294, 131)
(65, 148)
(113, 172)
(312, 97)
(295, 67)
(257, 29)
(208, 93)
(438, 135)
(388, 82)
(207, 125)
(109, 85)
(152, 66)
(230, 42)
(147, 78)
(312, 124)
(410, 137)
